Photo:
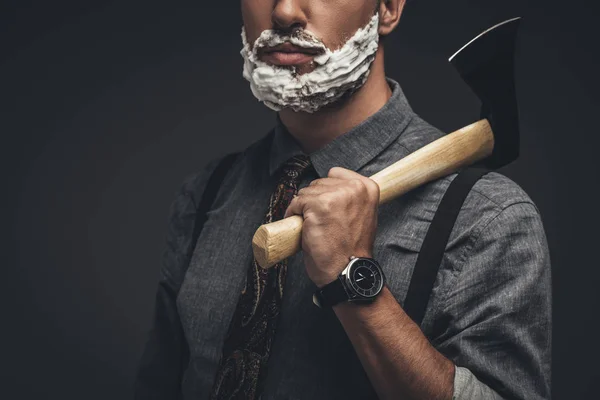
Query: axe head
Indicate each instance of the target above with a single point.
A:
(486, 64)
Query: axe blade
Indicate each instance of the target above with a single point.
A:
(486, 64)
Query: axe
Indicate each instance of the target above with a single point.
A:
(486, 64)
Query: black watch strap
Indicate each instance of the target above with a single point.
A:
(330, 294)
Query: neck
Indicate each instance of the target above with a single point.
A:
(313, 131)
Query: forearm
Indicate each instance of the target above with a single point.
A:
(398, 359)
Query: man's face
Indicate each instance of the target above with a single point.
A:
(332, 21)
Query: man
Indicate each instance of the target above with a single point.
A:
(256, 334)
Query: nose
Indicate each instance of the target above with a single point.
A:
(289, 14)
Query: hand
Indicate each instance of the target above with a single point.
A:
(340, 220)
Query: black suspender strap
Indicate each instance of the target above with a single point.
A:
(207, 198)
(166, 355)
(434, 244)
(208, 195)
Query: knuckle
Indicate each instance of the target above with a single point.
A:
(358, 185)
(347, 193)
(326, 202)
(299, 201)
(373, 188)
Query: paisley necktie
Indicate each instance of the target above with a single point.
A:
(247, 345)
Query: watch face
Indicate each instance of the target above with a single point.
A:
(365, 278)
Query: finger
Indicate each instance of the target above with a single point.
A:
(323, 185)
(296, 207)
(314, 190)
(326, 181)
(343, 173)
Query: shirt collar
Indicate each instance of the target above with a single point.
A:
(353, 149)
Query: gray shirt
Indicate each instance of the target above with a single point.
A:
(489, 312)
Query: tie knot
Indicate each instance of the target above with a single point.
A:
(293, 168)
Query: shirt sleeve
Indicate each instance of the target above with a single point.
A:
(166, 353)
(499, 308)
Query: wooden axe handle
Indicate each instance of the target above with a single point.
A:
(278, 240)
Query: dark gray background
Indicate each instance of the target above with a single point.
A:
(106, 107)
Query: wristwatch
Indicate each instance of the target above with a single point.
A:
(361, 281)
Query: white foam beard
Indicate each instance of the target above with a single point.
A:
(336, 73)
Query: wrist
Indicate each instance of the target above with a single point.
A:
(340, 264)
(370, 310)
(324, 282)
(361, 281)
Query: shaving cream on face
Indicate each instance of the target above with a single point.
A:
(336, 72)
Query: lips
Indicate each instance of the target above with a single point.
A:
(288, 54)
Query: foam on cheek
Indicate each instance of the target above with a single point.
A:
(336, 72)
